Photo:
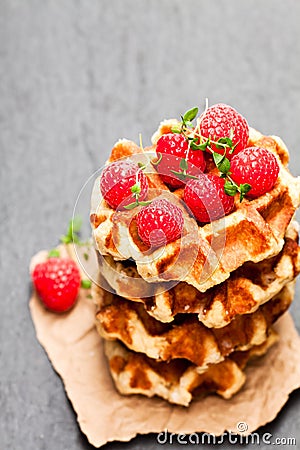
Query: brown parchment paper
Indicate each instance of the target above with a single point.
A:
(76, 353)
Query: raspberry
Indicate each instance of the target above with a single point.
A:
(57, 282)
(206, 198)
(159, 223)
(173, 148)
(220, 121)
(256, 166)
(116, 182)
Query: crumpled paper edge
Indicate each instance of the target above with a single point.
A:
(75, 350)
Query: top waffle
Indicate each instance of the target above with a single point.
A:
(205, 255)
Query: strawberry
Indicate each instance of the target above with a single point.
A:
(222, 121)
(173, 148)
(159, 223)
(57, 282)
(207, 199)
(122, 182)
(256, 166)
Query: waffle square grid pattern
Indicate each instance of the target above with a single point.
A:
(184, 320)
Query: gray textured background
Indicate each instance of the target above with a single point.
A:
(74, 77)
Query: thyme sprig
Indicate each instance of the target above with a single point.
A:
(136, 188)
(73, 232)
(198, 142)
(136, 192)
(230, 187)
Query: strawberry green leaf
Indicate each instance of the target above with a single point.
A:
(54, 253)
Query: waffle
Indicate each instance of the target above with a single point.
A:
(186, 337)
(178, 381)
(205, 255)
(250, 286)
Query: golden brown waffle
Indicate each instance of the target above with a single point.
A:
(250, 286)
(178, 381)
(186, 337)
(205, 255)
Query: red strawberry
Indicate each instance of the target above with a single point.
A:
(174, 147)
(206, 198)
(116, 182)
(223, 121)
(57, 282)
(256, 166)
(160, 223)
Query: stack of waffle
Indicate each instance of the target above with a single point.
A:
(185, 320)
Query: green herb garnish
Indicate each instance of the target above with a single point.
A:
(198, 142)
(86, 284)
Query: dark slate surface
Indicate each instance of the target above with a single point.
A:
(74, 77)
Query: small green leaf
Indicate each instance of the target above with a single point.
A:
(222, 163)
(193, 177)
(131, 205)
(54, 253)
(74, 227)
(230, 189)
(66, 239)
(190, 115)
(145, 203)
(176, 129)
(86, 256)
(202, 147)
(243, 190)
(136, 189)
(77, 224)
(89, 296)
(224, 143)
(86, 284)
(180, 175)
(183, 164)
(224, 166)
(232, 149)
(141, 166)
(218, 158)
